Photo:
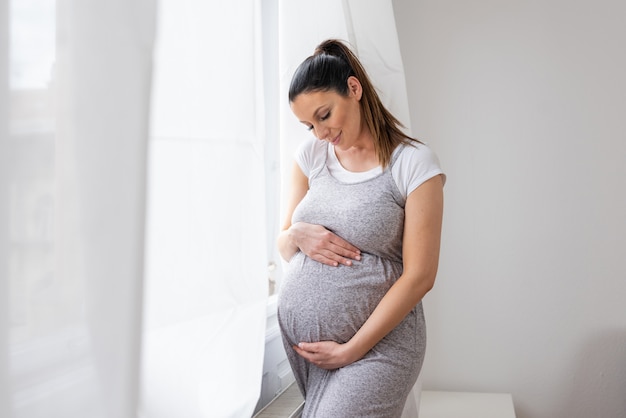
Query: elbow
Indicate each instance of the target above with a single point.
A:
(422, 282)
(427, 283)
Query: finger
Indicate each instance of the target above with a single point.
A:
(308, 356)
(307, 347)
(351, 253)
(326, 260)
(330, 258)
(340, 256)
(344, 245)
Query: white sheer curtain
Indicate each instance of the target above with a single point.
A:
(206, 289)
(371, 30)
(74, 127)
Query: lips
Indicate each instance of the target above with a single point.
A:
(336, 139)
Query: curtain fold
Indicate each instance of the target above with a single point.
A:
(73, 194)
(102, 130)
(379, 50)
(5, 405)
(206, 277)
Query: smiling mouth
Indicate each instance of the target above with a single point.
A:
(336, 139)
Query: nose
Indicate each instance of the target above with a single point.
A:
(321, 132)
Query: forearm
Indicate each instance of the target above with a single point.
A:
(392, 309)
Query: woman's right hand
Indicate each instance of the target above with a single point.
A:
(322, 245)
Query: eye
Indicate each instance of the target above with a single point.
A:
(326, 116)
(309, 128)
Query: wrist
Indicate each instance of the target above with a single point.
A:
(292, 237)
(353, 351)
(287, 246)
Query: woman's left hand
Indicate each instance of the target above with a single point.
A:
(327, 355)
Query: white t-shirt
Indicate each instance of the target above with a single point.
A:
(415, 164)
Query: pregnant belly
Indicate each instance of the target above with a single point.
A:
(323, 303)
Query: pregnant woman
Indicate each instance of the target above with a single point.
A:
(362, 237)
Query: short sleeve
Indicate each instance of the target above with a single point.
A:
(415, 164)
(311, 156)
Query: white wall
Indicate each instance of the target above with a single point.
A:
(525, 103)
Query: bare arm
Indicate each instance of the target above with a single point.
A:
(299, 186)
(421, 242)
(314, 240)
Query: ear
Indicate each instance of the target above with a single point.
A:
(355, 89)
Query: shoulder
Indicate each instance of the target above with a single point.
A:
(416, 153)
(415, 163)
(311, 155)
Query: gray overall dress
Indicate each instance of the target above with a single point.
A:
(321, 303)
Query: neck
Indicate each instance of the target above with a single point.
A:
(360, 156)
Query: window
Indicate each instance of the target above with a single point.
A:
(31, 144)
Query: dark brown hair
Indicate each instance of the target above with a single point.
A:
(328, 69)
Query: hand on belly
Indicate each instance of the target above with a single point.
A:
(327, 355)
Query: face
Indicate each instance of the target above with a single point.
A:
(332, 117)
